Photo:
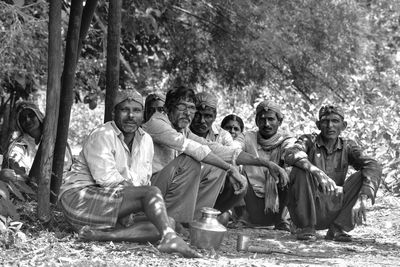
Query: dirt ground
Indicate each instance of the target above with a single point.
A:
(376, 244)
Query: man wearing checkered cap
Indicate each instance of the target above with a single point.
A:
(111, 180)
(320, 194)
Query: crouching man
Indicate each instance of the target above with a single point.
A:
(320, 166)
(110, 181)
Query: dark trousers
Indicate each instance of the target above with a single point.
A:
(227, 199)
(255, 208)
(309, 207)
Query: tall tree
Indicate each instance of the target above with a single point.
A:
(52, 109)
(113, 52)
(80, 25)
(67, 86)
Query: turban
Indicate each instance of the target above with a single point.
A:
(328, 109)
(269, 105)
(205, 99)
(129, 94)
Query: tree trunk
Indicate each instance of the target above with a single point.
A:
(86, 18)
(67, 86)
(113, 50)
(88, 12)
(52, 108)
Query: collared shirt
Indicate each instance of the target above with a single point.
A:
(105, 159)
(257, 174)
(169, 143)
(335, 163)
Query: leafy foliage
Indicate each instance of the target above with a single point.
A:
(299, 53)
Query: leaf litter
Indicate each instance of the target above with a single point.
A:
(375, 243)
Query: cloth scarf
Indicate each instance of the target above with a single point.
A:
(271, 199)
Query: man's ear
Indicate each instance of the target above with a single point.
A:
(113, 114)
(318, 123)
(344, 125)
(256, 120)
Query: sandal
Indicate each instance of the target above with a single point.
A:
(338, 235)
(283, 226)
(306, 234)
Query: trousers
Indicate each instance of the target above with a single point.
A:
(310, 207)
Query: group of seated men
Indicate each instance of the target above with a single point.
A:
(169, 159)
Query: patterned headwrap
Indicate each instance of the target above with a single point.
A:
(328, 109)
(204, 99)
(130, 94)
(269, 105)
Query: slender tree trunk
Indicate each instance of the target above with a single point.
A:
(124, 63)
(113, 50)
(67, 86)
(52, 107)
(87, 15)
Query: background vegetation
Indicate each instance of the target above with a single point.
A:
(300, 54)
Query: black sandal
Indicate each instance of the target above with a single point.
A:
(306, 234)
(338, 235)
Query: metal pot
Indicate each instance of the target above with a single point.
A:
(207, 232)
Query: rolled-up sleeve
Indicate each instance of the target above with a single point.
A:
(370, 169)
(226, 153)
(297, 150)
(160, 129)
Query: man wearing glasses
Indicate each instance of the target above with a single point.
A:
(178, 153)
(320, 195)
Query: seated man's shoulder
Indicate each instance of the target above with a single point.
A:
(348, 141)
(157, 120)
(250, 134)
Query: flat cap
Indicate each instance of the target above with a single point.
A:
(328, 109)
(204, 99)
(128, 94)
(269, 105)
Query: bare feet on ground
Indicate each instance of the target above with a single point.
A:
(171, 243)
(88, 234)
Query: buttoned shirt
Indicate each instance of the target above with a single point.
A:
(106, 160)
(335, 162)
(169, 143)
(258, 174)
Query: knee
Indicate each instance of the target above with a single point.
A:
(153, 191)
(191, 163)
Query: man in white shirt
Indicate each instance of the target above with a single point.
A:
(111, 180)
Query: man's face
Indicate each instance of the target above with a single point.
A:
(203, 120)
(182, 114)
(128, 116)
(233, 127)
(331, 126)
(267, 123)
(29, 121)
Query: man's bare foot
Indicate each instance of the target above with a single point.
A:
(171, 243)
(88, 234)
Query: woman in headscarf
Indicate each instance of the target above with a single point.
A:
(23, 148)
(154, 102)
